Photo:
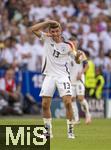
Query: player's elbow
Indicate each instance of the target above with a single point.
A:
(31, 29)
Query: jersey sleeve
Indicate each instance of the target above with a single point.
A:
(72, 48)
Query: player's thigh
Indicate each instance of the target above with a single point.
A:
(74, 91)
(80, 88)
(48, 87)
(64, 86)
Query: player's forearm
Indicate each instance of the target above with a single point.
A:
(40, 26)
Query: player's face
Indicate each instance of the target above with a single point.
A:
(55, 33)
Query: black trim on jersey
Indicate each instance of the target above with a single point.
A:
(82, 82)
(44, 65)
(68, 44)
(67, 69)
(69, 78)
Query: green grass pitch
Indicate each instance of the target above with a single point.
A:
(96, 136)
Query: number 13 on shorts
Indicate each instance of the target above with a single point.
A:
(64, 87)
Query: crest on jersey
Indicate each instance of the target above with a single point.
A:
(63, 48)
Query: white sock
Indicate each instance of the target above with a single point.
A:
(75, 111)
(48, 124)
(70, 126)
(85, 106)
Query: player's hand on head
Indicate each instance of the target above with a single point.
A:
(53, 22)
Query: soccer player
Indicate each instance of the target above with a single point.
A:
(55, 69)
(77, 71)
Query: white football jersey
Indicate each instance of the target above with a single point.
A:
(55, 59)
(76, 68)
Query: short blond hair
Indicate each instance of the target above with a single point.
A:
(54, 25)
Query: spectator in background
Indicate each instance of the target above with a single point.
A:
(11, 7)
(90, 77)
(4, 21)
(102, 61)
(91, 48)
(36, 49)
(10, 96)
(3, 62)
(24, 22)
(23, 51)
(93, 40)
(7, 54)
(99, 83)
(105, 37)
(109, 57)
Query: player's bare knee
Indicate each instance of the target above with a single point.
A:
(46, 103)
(67, 101)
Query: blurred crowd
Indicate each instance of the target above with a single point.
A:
(12, 100)
(87, 20)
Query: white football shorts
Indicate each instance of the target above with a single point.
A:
(50, 84)
(78, 89)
